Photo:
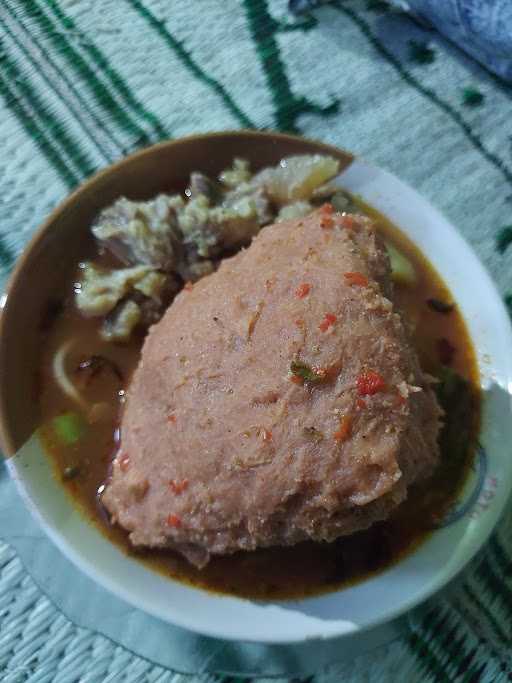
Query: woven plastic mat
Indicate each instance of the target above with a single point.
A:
(83, 82)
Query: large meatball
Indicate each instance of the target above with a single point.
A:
(277, 400)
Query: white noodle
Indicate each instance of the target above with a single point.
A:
(62, 378)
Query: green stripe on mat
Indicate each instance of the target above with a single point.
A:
(32, 125)
(426, 658)
(6, 254)
(40, 68)
(407, 77)
(92, 80)
(504, 562)
(495, 625)
(288, 106)
(507, 299)
(177, 47)
(446, 641)
(495, 585)
(53, 126)
(504, 239)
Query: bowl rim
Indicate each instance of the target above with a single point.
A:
(6, 437)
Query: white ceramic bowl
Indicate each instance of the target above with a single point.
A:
(396, 590)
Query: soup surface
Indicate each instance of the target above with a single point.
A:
(82, 448)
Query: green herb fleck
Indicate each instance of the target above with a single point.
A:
(313, 433)
(504, 238)
(421, 52)
(71, 472)
(471, 97)
(305, 372)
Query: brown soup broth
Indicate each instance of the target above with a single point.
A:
(276, 573)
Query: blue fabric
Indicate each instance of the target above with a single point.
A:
(482, 28)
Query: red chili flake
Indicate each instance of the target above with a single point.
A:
(299, 322)
(370, 382)
(399, 401)
(347, 222)
(296, 379)
(345, 428)
(188, 286)
(357, 279)
(330, 372)
(171, 418)
(327, 223)
(178, 486)
(327, 209)
(174, 521)
(303, 290)
(446, 351)
(361, 404)
(124, 462)
(320, 372)
(266, 435)
(328, 321)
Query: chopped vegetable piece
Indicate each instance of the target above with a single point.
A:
(171, 418)
(345, 428)
(327, 322)
(174, 521)
(313, 433)
(402, 270)
(296, 177)
(303, 290)
(356, 279)
(68, 428)
(327, 209)
(178, 487)
(299, 322)
(370, 383)
(446, 351)
(297, 379)
(305, 373)
(440, 306)
(71, 472)
(360, 404)
(124, 462)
